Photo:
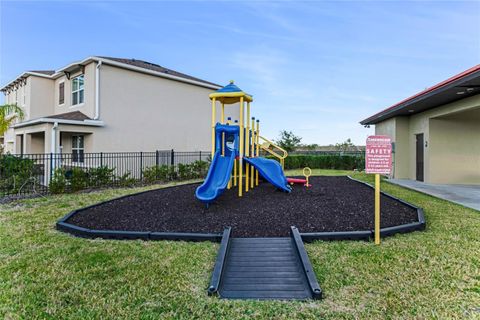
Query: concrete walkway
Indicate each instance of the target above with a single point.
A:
(466, 195)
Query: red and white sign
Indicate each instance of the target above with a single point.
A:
(378, 155)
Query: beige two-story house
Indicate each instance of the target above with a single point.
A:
(104, 104)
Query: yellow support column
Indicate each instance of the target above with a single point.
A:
(252, 169)
(377, 208)
(213, 127)
(235, 166)
(247, 147)
(240, 161)
(229, 186)
(222, 121)
(258, 148)
(235, 176)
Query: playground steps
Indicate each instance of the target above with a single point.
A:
(264, 268)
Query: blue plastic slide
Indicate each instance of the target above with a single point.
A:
(221, 166)
(272, 171)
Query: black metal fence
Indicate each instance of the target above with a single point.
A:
(63, 172)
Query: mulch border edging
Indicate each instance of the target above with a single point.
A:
(216, 237)
(131, 235)
(369, 234)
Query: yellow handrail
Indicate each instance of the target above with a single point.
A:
(265, 144)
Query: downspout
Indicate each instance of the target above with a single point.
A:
(53, 151)
(53, 147)
(97, 91)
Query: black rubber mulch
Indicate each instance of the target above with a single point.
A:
(331, 204)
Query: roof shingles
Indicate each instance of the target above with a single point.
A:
(155, 67)
(74, 115)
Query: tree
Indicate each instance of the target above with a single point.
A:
(8, 114)
(288, 140)
(347, 145)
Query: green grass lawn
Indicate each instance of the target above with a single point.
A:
(49, 274)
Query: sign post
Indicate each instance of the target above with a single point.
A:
(378, 160)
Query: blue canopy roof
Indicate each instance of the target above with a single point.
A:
(231, 87)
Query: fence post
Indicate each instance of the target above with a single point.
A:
(101, 159)
(172, 158)
(141, 165)
(157, 160)
(51, 168)
(200, 155)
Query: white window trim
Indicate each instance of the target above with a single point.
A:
(77, 105)
(64, 96)
(78, 91)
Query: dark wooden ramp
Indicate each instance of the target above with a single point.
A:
(264, 268)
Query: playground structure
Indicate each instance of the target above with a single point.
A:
(259, 262)
(236, 147)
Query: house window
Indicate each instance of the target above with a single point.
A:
(61, 93)
(77, 148)
(78, 90)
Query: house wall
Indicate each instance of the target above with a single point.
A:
(452, 152)
(88, 107)
(386, 128)
(21, 97)
(389, 128)
(41, 97)
(89, 133)
(36, 138)
(144, 112)
(455, 148)
(37, 142)
(402, 165)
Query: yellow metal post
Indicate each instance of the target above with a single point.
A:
(252, 169)
(377, 208)
(247, 147)
(235, 166)
(222, 121)
(213, 127)
(240, 161)
(222, 118)
(229, 186)
(235, 176)
(258, 148)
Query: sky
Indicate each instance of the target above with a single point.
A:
(316, 68)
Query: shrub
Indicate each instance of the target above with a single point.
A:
(16, 172)
(199, 168)
(346, 162)
(58, 181)
(194, 170)
(151, 174)
(159, 173)
(126, 180)
(184, 171)
(77, 178)
(100, 176)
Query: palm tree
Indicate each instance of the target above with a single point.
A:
(8, 114)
